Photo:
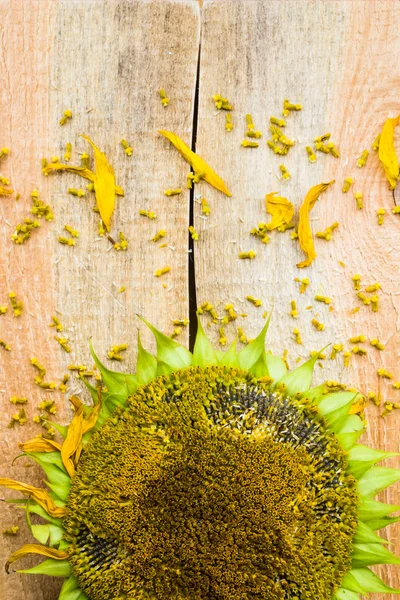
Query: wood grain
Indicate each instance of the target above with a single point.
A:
(105, 61)
(340, 60)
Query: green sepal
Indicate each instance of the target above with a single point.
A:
(342, 594)
(168, 351)
(361, 458)
(42, 533)
(230, 357)
(260, 369)
(58, 480)
(363, 581)
(335, 409)
(348, 440)
(366, 535)
(352, 423)
(377, 479)
(164, 368)
(71, 590)
(372, 509)
(55, 568)
(250, 354)
(383, 522)
(146, 365)
(62, 429)
(203, 352)
(118, 384)
(299, 380)
(276, 366)
(315, 394)
(365, 555)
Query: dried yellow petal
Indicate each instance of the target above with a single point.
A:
(387, 152)
(36, 549)
(104, 184)
(281, 209)
(40, 496)
(304, 230)
(73, 442)
(196, 162)
(39, 444)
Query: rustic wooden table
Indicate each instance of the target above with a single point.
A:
(106, 61)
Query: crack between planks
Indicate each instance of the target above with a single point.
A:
(191, 254)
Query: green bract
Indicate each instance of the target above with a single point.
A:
(210, 476)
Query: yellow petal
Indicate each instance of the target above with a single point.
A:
(304, 230)
(39, 495)
(387, 152)
(281, 210)
(82, 171)
(73, 442)
(39, 444)
(196, 162)
(91, 420)
(104, 184)
(5, 192)
(36, 549)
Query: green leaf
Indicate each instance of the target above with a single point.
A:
(377, 479)
(299, 380)
(276, 366)
(250, 354)
(118, 384)
(230, 357)
(203, 352)
(365, 535)
(146, 365)
(55, 568)
(168, 351)
(365, 555)
(372, 509)
(56, 534)
(260, 369)
(361, 458)
(343, 594)
(363, 581)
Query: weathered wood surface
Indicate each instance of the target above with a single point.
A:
(106, 61)
(339, 60)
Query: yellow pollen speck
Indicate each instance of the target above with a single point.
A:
(254, 301)
(221, 103)
(160, 234)
(322, 138)
(297, 336)
(164, 98)
(377, 344)
(173, 192)
(115, 352)
(276, 121)
(380, 214)
(193, 233)
(228, 122)
(384, 373)
(67, 114)
(319, 326)
(162, 271)
(347, 184)
(362, 161)
(249, 144)
(148, 213)
(250, 255)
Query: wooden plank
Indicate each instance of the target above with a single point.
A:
(105, 61)
(341, 61)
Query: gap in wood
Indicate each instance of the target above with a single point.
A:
(191, 257)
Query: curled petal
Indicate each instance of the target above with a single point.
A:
(281, 210)
(70, 450)
(36, 549)
(196, 162)
(104, 184)
(41, 496)
(39, 444)
(304, 231)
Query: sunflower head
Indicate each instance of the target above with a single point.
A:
(211, 476)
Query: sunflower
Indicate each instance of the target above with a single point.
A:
(210, 475)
